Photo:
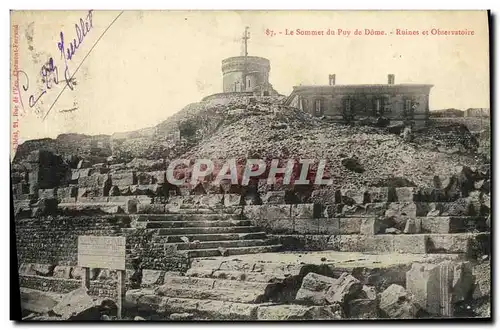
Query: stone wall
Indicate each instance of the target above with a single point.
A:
(54, 240)
(64, 279)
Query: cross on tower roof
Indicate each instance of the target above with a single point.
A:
(246, 36)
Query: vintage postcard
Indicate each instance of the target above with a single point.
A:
(250, 165)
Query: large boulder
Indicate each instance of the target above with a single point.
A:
(314, 288)
(345, 288)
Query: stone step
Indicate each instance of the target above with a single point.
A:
(215, 244)
(187, 217)
(201, 210)
(206, 230)
(213, 283)
(366, 225)
(146, 303)
(186, 224)
(217, 289)
(231, 251)
(210, 237)
(445, 225)
(242, 296)
(461, 243)
(92, 208)
(257, 264)
(263, 277)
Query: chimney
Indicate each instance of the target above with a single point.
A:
(390, 79)
(331, 79)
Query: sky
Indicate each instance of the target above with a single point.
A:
(147, 65)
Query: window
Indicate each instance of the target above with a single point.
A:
(408, 105)
(378, 105)
(248, 85)
(347, 105)
(348, 111)
(302, 104)
(318, 107)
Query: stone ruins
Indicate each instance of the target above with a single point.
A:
(404, 232)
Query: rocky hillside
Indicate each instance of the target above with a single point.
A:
(263, 128)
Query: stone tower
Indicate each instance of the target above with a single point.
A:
(246, 73)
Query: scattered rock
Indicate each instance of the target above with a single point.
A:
(314, 288)
(274, 197)
(353, 164)
(369, 292)
(393, 230)
(62, 272)
(181, 316)
(363, 309)
(413, 226)
(345, 288)
(396, 303)
(78, 305)
(44, 269)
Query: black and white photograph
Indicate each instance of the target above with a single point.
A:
(250, 165)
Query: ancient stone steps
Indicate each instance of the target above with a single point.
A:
(187, 217)
(175, 209)
(353, 225)
(216, 289)
(231, 251)
(242, 296)
(461, 243)
(186, 224)
(146, 302)
(453, 224)
(410, 209)
(264, 271)
(138, 302)
(237, 275)
(207, 230)
(213, 283)
(78, 208)
(210, 237)
(215, 244)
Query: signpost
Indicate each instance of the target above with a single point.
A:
(103, 252)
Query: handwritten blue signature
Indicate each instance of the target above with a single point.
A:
(49, 71)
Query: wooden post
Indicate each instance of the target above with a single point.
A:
(120, 298)
(86, 278)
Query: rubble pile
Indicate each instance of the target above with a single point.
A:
(450, 138)
(286, 133)
(226, 128)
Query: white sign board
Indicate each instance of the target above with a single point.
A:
(101, 252)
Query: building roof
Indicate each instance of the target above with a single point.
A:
(361, 88)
